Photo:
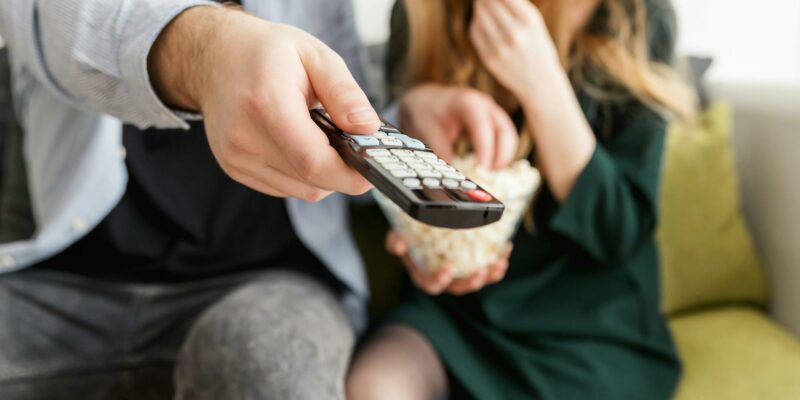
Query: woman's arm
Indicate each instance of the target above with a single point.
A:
(513, 42)
(606, 192)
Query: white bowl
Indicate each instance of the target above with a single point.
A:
(469, 250)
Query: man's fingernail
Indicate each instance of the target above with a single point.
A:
(361, 116)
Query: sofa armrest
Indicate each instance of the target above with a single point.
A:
(767, 141)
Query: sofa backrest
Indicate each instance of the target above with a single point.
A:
(767, 142)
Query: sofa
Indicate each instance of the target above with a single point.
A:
(746, 351)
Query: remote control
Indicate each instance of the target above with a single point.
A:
(413, 177)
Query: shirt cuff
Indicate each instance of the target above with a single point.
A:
(134, 64)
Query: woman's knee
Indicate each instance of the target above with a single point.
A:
(398, 363)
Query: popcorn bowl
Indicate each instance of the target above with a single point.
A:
(468, 250)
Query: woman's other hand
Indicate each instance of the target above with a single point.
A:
(512, 40)
(442, 280)
(439, 115)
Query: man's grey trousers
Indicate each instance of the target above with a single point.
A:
(268, 335)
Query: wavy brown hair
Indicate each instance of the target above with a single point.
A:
(610, 59)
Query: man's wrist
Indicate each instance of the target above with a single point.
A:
(179, 59)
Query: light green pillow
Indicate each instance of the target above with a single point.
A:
(707, 254)
(735, 353)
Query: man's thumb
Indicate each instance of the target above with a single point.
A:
(339, 93)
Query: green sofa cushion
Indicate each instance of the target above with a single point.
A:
(708, 257)
(736, 353)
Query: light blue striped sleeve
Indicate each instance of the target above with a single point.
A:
(93, 53)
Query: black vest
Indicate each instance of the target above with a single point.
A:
(182, 218)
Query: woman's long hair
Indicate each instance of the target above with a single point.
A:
(609, 60)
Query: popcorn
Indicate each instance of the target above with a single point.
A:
(469, 250)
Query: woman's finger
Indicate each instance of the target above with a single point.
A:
(395, 244)
(502, 18)
(483, 46)
(476, 115)
(499, 269)
(497, 272)
(521, 10)
(484, 21)
(507, 251)
(507, 138)
(471, 284)
(431, 283)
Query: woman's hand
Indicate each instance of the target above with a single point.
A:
(442, 280)
(439, 115)
(512, 40)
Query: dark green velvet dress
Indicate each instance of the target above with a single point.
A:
(578, 315)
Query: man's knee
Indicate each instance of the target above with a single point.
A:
(283, 337)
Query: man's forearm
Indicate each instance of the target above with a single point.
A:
(182, 55)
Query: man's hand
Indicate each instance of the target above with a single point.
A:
(440, 115)
(442, 280)
(254, 82)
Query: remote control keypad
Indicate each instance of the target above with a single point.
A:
(410, 162)
(423, 169)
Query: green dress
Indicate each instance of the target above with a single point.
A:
(578, 315)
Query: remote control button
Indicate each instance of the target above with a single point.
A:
(412, 183)
(391, 166)
(398, 135)
(378, 152)
(419, 165)
(455, 175)
(392, 142)
(450, 183)
(469, 185)
(413, 143)
(380, 135)
(403, 173)
(402, 152)
(427, 155)
(365, 141)
(444, 168)
(385, 159)
(428, 174)
(436, 162)
(431, 182)
(479, 196)
(409, 158)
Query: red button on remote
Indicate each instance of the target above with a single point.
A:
(479, 196)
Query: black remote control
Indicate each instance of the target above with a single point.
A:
(413, 177)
